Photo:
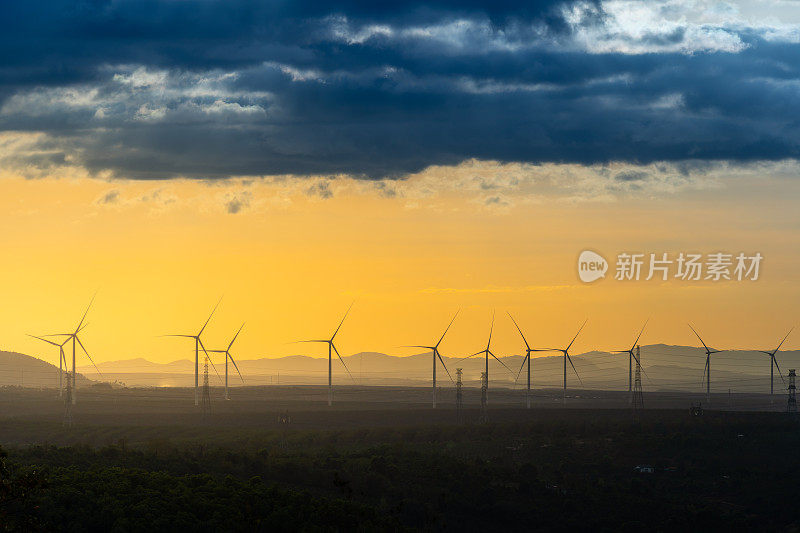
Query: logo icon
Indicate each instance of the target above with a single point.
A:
(591, 266)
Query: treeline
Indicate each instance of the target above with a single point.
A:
(709, 474)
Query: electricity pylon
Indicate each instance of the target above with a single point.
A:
(459, 397)
(484, 397)
(206, 401)
(637, 401)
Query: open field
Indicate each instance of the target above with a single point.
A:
(259, 407)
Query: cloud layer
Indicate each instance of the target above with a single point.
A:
(210, 89)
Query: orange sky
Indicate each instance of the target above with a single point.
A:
(289, 262)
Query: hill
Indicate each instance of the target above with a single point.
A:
(665, 368)
(18, 369)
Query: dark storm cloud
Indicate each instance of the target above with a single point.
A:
(208, 89)
(631, 176)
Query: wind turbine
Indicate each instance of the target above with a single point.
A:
(527, 359)
(775, 362)
(62, 361)
(487, 352)
(632, 356)
(77, 341)
(332, 348)
(435, 354)
(197, 345)
(227, 352)
(707, 369)
(565, 351)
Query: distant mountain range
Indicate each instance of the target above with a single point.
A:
(665, 368)
(17, 369)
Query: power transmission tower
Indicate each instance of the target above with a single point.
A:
(637, 400)
(459, 397)
(484, 397)
(206, 400)
(67, 421)
(791, 406)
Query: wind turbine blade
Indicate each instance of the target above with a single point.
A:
(235, 366)
(234, 337)
(343, 363)
(418, 346)
(209, 317)
(448, 327)
(522, 365)
(58, 335)
(342, 322)
(78, 328)
(209, 358)
(215, 370)
(698, 336)
(520, 331)
(443, 365)
(491, 328)
(640, 334)
(784, 340)
(43, 339)
(779, 368)
(573, 368)
(502, 363)
(473, 355)
(576, 335)
(298, 342)
(184, 336)
(87, 355)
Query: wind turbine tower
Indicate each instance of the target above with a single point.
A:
(631, 356)
(76, 341)
(487, 352)
(62, 361)
(435, 354)
(707, 369)
(227, 352)
(331, 349)
(198, 344)
(774, 364)
(526, 359)
(565, 352)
